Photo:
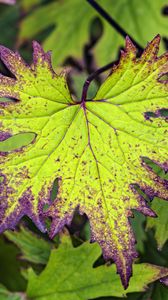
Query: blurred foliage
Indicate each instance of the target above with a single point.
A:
(33, 248)
(72, 32)
(9, 17)
(160, 224)
(10, 266)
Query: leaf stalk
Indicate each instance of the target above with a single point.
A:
(90, 79)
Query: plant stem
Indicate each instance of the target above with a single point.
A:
(120, 30)
(92, 77)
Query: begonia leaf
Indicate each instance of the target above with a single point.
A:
(96, 148)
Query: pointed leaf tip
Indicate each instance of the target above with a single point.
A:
(129, 45)
(152, 49)
(40, 56)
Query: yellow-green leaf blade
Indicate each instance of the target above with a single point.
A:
(95, 149)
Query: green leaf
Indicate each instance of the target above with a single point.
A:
(151, 253)
(74, 29)
(33, 248)
(94, 148)
(70, 275)
(160, 292)
(160, 224)
(8, 21)
(138, 226)
(74, 34)
(130, 15)
(27, 5)
(10, 267)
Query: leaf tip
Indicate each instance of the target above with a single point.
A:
(40, 57)
(129, 45)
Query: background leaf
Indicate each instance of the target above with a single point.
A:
(130, 15)
(34, 249)
(9, 17)
(160, 224)
(74, 29)
(67, 269)
(10, 267)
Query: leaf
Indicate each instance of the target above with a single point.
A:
(130, 15)
(10, 267)
(8, 21)
(160, 224)
(33, 248)
(138, 226)
(151, 253)
(73, 34)
(160, 292)
(72, 276)
(95, 148)
(79, 17)
(27, 5)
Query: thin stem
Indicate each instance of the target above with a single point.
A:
(92, 77)
(120, 30)
(112, 22)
